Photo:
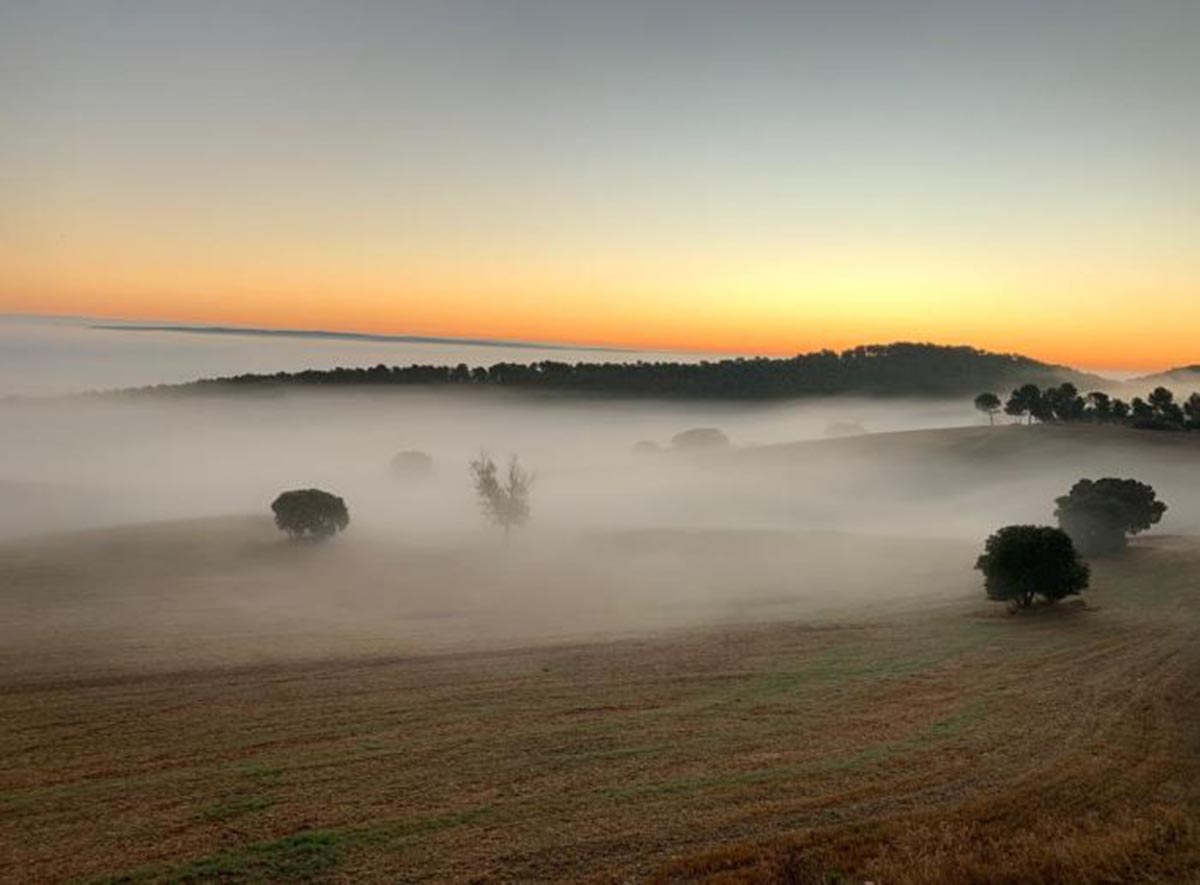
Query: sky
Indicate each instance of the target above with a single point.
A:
(747, 177)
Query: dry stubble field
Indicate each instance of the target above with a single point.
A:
(943, 741)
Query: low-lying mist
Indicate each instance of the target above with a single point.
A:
(87, 462)
(814, 506)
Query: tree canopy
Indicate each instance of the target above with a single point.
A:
(1100, 514)
(989, 404)
(310, 513)
(1023, 562)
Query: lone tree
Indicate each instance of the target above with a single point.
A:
(989, 404)
(412, 464)
(310, 513)
(700, 438)
(505, 501)
(1099, 514)
(1022, 562)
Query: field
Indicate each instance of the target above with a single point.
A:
(917, 737)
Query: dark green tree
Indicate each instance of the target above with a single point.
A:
(1026, 400)
(1166, 410)
(1100, 514)
(310, 513)
(1101, 406)
(989, 404)
(1063, 403)
(1023, 562)
(1191, 408)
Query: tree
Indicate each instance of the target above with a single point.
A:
(700, 438)
(1191, 408)
(1063, 403)
(1161, 399)
(504, 502)
(1098, 515)
(1101, 406)
(412, 464)
(1022, 562)
(310, 513)
(1026, 400)
(989, 404)
(1166, 410)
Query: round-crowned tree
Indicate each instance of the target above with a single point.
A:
(1023, 562)
(989, 404)
(1100, 514)
(700, 438)
(412, 464)
(310, 513)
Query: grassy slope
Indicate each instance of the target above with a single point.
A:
(942, 743)
(1001, 443)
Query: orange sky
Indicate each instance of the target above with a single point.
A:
(770, 182)
(1095, 313)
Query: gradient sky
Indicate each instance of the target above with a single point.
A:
(739, 176)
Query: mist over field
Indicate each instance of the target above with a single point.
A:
(140, 459)
(815, 505)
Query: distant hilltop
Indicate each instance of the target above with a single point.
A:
(1180, 375)
(899, 369)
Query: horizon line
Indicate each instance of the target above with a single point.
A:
(261, 332)
(136, 325)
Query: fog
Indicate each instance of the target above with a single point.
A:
(93, 462)
(141, 525)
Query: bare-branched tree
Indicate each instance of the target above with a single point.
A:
(505, 500)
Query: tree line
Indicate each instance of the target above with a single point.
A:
(900, 369)
(1064, 403)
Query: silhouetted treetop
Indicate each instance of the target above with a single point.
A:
(1099, 514)
(901, 369)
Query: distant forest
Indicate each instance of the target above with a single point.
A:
(901, 369)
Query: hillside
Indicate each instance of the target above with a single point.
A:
(1181, 379)
(965, 481)
(899, 369)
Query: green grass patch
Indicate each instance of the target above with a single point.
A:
(302, 857)
(238, 806)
